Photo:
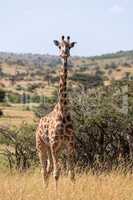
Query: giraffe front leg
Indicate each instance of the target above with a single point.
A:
(43, 161)
(49, 162)
(71, 161)
(56, 169)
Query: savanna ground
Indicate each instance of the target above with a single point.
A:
(28, 186)
(15, 115)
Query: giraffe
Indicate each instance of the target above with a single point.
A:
(55, 130)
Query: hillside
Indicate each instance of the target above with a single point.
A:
(25, 69)
(39, 73)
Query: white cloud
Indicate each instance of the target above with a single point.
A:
(117, 9)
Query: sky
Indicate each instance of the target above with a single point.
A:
(98, 26)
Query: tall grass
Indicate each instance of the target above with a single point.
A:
(28, 186)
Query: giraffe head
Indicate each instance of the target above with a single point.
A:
(64, 47)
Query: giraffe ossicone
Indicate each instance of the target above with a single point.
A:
(55, 130)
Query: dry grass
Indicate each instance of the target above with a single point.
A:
(15, 116)
(114, 186)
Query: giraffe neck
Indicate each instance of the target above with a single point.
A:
(63, 87)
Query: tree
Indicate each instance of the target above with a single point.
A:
(1, 113)
(22, 153)
(2, 95)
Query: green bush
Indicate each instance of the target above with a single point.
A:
(19, 87)
(88, 80)
(14, 98)
(102, 131)
(1, 113)
(2, 95)
(22, 152)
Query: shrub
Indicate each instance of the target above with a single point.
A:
(88, 80)
(102, 132)
(2, 95)
(14, 97)
(32, 87)
(19, 87)
(22, 152)
(1, 113)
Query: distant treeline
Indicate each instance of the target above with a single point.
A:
(51, 60)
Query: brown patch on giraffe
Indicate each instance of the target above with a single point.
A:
(55, 137)
(63, 120)
(68, 118)
(59, 118)
(66, 137)
(65, 102)
(69, 126)
(59, 131)
(71, 144)
(61, 137)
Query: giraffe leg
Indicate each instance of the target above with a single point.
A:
(43, 161)
(49, 162)
(71, 159)
(56, 169)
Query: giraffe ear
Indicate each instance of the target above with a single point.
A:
(56, 42)
(72, 44)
